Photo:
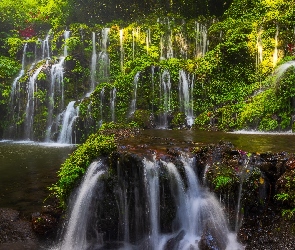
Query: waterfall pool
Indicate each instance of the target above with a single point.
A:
(26, 169)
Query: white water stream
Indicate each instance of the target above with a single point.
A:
(199, 214)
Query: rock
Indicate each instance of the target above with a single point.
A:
(13, 229)
(43, 223)
(174, 242)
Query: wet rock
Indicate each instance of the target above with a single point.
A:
(209, 241)
(43, 223)
(14, 229)
(173, 243)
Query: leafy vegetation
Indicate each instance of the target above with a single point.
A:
(76, 164)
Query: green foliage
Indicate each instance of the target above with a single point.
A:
(41, 76)
(116, 126)
(202, 121)
(142, 118)
(179, 120)
(223, 178)
(8, 67)
(14, 44)
(74, 167)
(286, 192)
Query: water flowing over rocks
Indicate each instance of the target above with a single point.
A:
(244, 185)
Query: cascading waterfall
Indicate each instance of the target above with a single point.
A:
(122, 49)
(134, 97)
(153, 87)
(70, 115)
(101, 104)
(151, 178)
(56, 89)
(275, 54)
(186, 86)
(15, 92)
(93, 64)
(198, 217)
(148, 40)
(30, 107)
(45, 46)
(80, 217)
(280, 70)
(135, 38)
(112, 102)
(202, 41)
(165, 95)
(103, 57)
(66, 37)
(259, 45)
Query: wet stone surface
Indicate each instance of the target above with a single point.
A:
(15, 233)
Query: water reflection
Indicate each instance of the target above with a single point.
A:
(26, 169)
(250, 142)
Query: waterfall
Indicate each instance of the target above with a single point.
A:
(134, 204)
(134, 96)
(112, 102)
(275, 54)
(80, 216)
(165, 95)
(100, 63)
(280, 70)
(56, 89)
(69, 117)
(151, 178)
(103, 57)
(198, 212)
(15, 102)
(153, 87)
(121, 50)
(30, 107)
(101, 104)
(148, 40)
(201, 40)
(186, 85)
(259, 49)
(21, 73)
(66, 37)
(105, 38)
(14, 95)
(93, 64)
(45, 46)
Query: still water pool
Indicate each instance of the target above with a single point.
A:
(26, 170)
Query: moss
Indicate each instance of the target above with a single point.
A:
(203, 121)
(75, 166)
(143, 118)
(222, 178)
(179, 120)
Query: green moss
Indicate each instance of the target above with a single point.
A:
(142, 118)
(179, 120)
(75, 166)
(202, 121)
(222, 178)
